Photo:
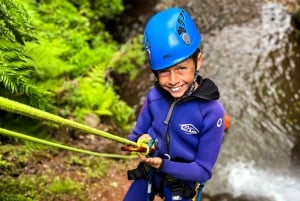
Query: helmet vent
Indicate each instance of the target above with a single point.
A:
(180, 21)
(181, 29)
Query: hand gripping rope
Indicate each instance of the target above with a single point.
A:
(145, 147)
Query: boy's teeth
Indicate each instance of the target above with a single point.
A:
(175, 89)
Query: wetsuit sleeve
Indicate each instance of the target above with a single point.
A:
(210, 141)
(143, 123)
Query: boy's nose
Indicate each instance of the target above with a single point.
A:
(173, 80)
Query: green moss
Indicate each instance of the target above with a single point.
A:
(61, 186)
(94, 168)
(97, 168)
(12, 159)
(12, 189)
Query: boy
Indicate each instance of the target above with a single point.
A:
(181, 113)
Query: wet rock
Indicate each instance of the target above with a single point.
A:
(222, 197)
(252, 198)
(295, 157)
(92, 120)
(230, 197)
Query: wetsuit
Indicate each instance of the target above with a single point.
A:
(189, 133)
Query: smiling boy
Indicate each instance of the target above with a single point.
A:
(182, 113)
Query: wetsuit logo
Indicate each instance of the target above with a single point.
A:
(189, 129)
(220, 122)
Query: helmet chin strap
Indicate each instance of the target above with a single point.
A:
(190, 90)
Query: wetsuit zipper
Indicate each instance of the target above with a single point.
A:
(167, 121)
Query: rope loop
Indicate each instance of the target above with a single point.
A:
(144, 144)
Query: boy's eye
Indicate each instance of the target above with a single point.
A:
(180, 68)
(163, 72)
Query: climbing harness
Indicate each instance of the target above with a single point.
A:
(199, 190)
(149, 185)
(177, 188)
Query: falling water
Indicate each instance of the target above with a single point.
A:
(257, 68)
(244, 178)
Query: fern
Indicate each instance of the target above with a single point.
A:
(15, 72)
(15, 23)
(65, 64)
(46, 58)
(15, 76)
(129, 58)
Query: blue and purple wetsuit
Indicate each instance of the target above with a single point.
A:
(189, 133)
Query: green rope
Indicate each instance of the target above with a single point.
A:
(19, 108)
(69, 148)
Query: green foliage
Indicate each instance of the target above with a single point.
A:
(67, 38)
(130, 55)
(15, 72)
(75, 160)
(4, 164)
(70, 28)
(45, 57)
(94, 167)
(51, 176)
(15, 22)
(123, 115)
(13, 159)
(14, 190)
(95, 97)
(36, 187)
(98, 96)
(94, 94)
(26, 187)
(60, 185)
(64, 67)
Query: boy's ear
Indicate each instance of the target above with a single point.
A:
(199, 61)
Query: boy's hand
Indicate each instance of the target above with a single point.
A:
(145, 138)
(154, 162)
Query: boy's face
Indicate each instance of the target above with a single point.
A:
(178, 78)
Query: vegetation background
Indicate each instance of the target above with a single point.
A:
(59, 56)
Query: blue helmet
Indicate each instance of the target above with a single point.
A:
(170, 37)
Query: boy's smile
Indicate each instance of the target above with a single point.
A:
(178, 78)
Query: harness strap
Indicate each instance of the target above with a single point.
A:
(141, 171)
(199, 190)
(149, 186)
(178, 188)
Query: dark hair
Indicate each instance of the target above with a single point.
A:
(195, 55)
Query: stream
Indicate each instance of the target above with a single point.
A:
(257, 68)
